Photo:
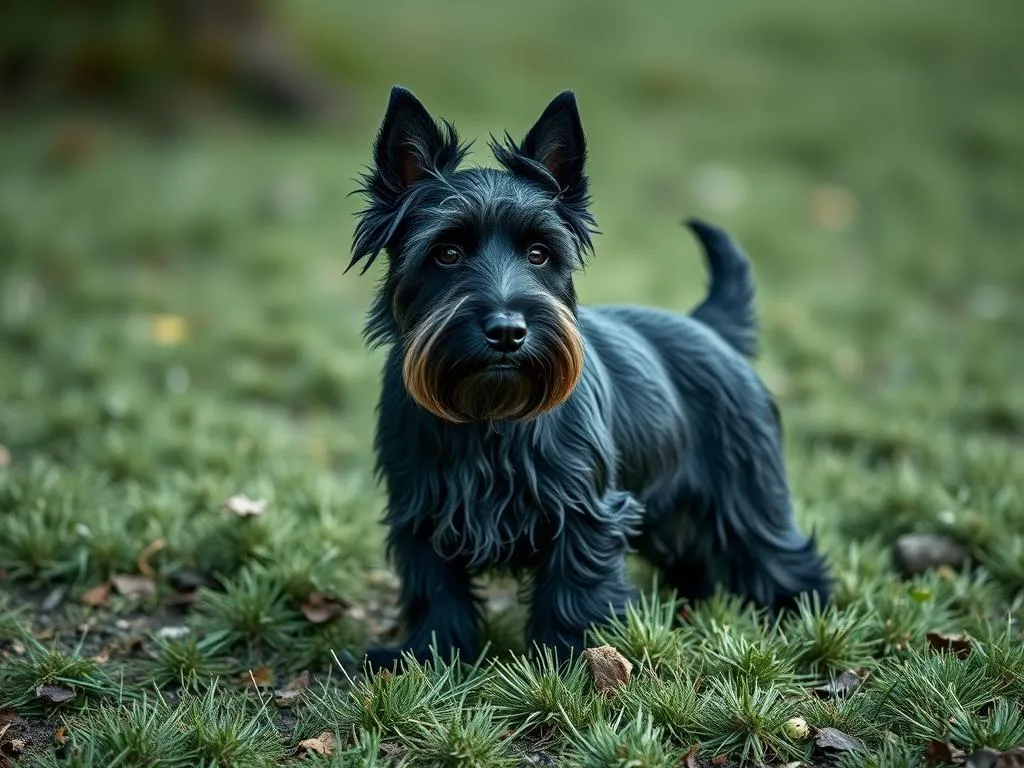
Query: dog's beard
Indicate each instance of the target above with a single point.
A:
(458, 390)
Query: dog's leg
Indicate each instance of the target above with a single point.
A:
(736, 508)
(437, 602)
(583, 581)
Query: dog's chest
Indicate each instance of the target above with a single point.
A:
(488, 507)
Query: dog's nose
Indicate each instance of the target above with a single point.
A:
(505, 331)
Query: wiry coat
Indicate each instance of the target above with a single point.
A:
(668, 443)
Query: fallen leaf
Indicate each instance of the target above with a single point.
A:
(134, 587)
(5, 456)
(286, 696)
(54, 693)
(609, 669)
(60, 736)
(319, 609)
(143, 560)
(15, 746)
(168, 330)
(261, 677)
(96, 597)
(103, 656)
(243, 506)
(3, 730)
(719, 759)
(943, 753)
(832, 738)
(958, 644)
(833, 208)
(322, 744)
(845, 683)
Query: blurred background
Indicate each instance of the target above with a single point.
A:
(175, 220)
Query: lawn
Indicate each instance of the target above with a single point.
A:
(190, 558)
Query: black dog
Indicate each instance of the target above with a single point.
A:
(518, 430)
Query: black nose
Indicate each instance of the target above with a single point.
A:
(505, 331)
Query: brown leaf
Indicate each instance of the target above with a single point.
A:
(322, 744)
(243, 506)
(319, 609)
(943, 753)
(609, 669)
(3, 730)
(103, 656)
(261, 677)
(133, 586)
(833, 738)
(143, 560)
(287, 696)
(845, 683)
(54, 693)
(96, 597)
(957, 644)
(60, 736)
(15, 746)
(719, 759)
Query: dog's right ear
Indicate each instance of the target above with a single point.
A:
(410, 147)
(410, 144)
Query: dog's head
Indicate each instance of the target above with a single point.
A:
(479, 284)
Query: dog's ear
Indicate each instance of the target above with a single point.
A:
(557, 142)
(410, 143)
(410, 146)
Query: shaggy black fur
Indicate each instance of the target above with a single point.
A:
(517, 430)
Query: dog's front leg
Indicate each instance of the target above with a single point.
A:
(583, 582)
(436, 599)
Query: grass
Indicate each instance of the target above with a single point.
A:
(176, 330)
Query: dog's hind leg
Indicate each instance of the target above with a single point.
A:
(730, 521)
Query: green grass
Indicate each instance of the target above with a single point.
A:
(176, 329)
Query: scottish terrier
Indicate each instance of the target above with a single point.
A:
(520, 431)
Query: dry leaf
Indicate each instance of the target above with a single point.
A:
(319, 609)
(286, 696)
(845, 683)
(5, 456)
(243, 506)
(168, 330)
(322, 744)
(15, 746)
(3, 730)
(143, 560)
(261, 677)
(54, 693)
(103, 656)
(943, 753)
(96, 597)
(134, 587)
(833, 208)
(957, 644)
(60, 736)
(609, 668)
(834, 739)
(719, 759)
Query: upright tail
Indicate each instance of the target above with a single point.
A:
(729, 306)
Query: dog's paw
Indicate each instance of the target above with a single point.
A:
(392, 658)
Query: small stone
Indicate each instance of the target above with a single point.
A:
(172, 633)
(915, 553)
(797, 729)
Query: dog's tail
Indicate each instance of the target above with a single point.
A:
(729, 306)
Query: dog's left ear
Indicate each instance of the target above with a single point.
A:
(556, 141)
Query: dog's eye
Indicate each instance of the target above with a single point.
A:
(446, 255)
(537, 254)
